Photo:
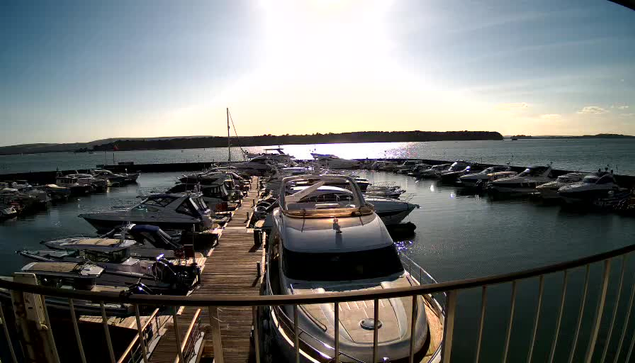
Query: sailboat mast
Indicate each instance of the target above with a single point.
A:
(229, 147)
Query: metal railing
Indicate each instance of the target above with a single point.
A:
(602, 324)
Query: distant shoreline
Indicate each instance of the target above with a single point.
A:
(598, 136)
(196, 142)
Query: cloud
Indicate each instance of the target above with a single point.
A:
(519, 106)
(627, 114)
(551, 117)
(593, 110)
(620, 107)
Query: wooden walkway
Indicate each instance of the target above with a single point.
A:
(231, 269)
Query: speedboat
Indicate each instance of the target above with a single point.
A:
(384, 190)
(478, 180)
(456, 170)
(184, 211)
(523, 183)
(7, 212)
(260, 165)
(391, 211)
(121, 269)
(321, 245)
(407, 166)
(331, 161)
(550, 190)
(433, 171)
(75, 276)
(113, 179)
(592, 187)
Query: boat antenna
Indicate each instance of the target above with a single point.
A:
(231, 119)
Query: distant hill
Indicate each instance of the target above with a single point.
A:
(166, 143)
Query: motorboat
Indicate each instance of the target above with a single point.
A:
(391, 211)
(384, 190)
(75, 276)
(56, 192)
(433, 171)
(384, 165)
(592, 187)
(418, 169)
(276, 154)
(160, 275)
(480, 179)
(8, 212)
(113, 179)
(456, 170)
(331, 161)
(216, 196)
(181, 211)
(407, 166)
(550, 190)
(321, 244)
(523, 183)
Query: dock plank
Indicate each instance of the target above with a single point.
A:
(231, 269)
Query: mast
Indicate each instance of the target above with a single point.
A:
(229, 147)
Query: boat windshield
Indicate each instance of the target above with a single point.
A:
(345, 266)
(159, 201)
(591, 179)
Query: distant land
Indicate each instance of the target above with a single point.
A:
(598, 136)
(194, 142)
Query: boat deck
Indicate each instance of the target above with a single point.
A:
(231, 269)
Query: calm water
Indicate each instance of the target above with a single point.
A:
(458, 236)
(568, 154)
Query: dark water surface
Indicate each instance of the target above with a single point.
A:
(458, 236)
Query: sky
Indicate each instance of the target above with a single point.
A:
(85, 70)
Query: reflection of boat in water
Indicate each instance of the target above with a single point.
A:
(324, 246)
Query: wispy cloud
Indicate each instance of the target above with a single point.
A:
(593, 110)
(517, 106)
(620, 107)
(627, 114)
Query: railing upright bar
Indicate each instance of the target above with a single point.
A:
(598, 314)
(617, 305)
(104, 320)
(256, 332)
(541, 289)
(50, 330)
(217, 343)
(336, 323)
(142, 341)
(630, 350)
(413, 326)
(7, 335)
(511, 321)
(375, 329)
(296, 334)
(177, 335)
(481, 323)
(565, 280)
(448, 329)
(626, 320)
(581, 313)
(78, 336)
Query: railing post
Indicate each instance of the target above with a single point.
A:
(511, 320)
(256, 332)
(617, 305)
(481, 323)
(296, 334)
(413, 327)
(581, 313)
(375, 329)
(142, 340)
(336, 326)
(629, 309)
(598, 312)
(559, 321)
(7, 336)
(78, 336)
(104, 320)
(30, 316)
(448, 330)
(541, 289)
(216, 334)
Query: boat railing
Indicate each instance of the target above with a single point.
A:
(602, 337)
(421, 276)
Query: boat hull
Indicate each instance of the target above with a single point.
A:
(106, 225)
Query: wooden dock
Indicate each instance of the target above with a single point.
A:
(231, 269)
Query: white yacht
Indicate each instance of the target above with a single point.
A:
(391, 211)
(476, 180)
(324, 246)
(456, 170)
(331, 161)
(592, 187)
(433, 171)
(550, 190)
(7, 212)
(384, 190)
(523, 183)
(186, 211)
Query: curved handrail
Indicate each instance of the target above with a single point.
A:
(269, 300)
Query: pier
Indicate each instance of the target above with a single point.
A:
(230, 269)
